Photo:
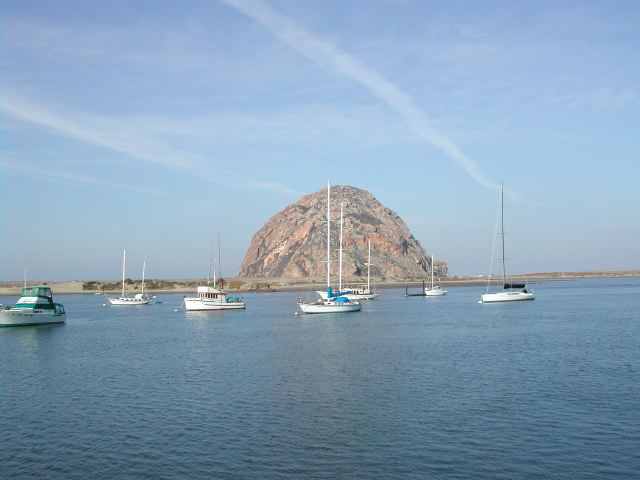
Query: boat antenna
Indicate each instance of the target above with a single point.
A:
(124, 262)
(219, 262)
(210, 264)
(25, 278)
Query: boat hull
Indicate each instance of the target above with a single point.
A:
(203, 305)
(351, 296)
(129, 301)
(501, 297)
(22, 318)
(330, 307)
(434, 292)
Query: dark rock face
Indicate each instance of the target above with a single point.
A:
(292, 244)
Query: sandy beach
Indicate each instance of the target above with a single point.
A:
(291, 285)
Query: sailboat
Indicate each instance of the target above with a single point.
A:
(362, 293)
(332, 303)
(511, 292)
(137, 299)
(437, 290)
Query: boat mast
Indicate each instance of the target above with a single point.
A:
(340, 255)
(124, 261)
(328, 236)
(504, 271)
(144, 264)
(431, 272)
(25, 278)
(369, 269)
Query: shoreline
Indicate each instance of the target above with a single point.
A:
(267, 285)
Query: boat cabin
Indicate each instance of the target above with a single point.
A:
(38, 291)
(209, 292)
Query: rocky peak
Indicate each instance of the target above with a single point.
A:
(292, 244)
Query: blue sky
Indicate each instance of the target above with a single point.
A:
(156, 125)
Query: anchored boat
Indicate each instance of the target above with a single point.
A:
(511, 292)
(34, 307)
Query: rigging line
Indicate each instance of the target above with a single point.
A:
(493, 246)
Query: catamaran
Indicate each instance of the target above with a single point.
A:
(139, 298)
(511, 291)
(34, 307)
(434, 290)
(333, 302)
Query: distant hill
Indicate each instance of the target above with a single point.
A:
(292, 244)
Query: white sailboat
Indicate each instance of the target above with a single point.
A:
(137, 299)
(362, 293)
(333, 303)
(434, 290)
(511, 292)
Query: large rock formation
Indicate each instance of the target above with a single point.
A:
(292, 244)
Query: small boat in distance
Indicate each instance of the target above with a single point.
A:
(511, 292)
(209, 297)
(34, 307)
(434, 291)
(333, 302)
(362, 293)
(137, 299)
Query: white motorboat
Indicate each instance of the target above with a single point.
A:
(34, 307)
(211, 298)
(511, 291)
(434, 290)
(332, 302)
(139, 298)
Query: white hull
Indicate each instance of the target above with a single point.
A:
(129, 301)
(362, 296)
(24, 317)
(507, 297)
(434, 292)
(351, 296)
(200, 304)
(329, 307)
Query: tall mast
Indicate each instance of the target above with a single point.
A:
(340, 255)
(25, 278)
(124, 261)
(328, 235)
(504, 271)
(144, 264)
(432, 272)
(369, 269)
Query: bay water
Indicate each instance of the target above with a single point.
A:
(408, 388)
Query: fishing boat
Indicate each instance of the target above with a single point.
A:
(139, 298)
(34, 307)
(511, 291)
(209, 298)
(434, 290)
(333, 302)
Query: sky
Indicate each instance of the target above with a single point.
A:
(157, 125)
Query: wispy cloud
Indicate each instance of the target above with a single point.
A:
(339, 61)
(71, 178)
(132, 140)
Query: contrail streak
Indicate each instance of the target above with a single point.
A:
(335, 59)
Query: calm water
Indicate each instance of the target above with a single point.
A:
(408, 388)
